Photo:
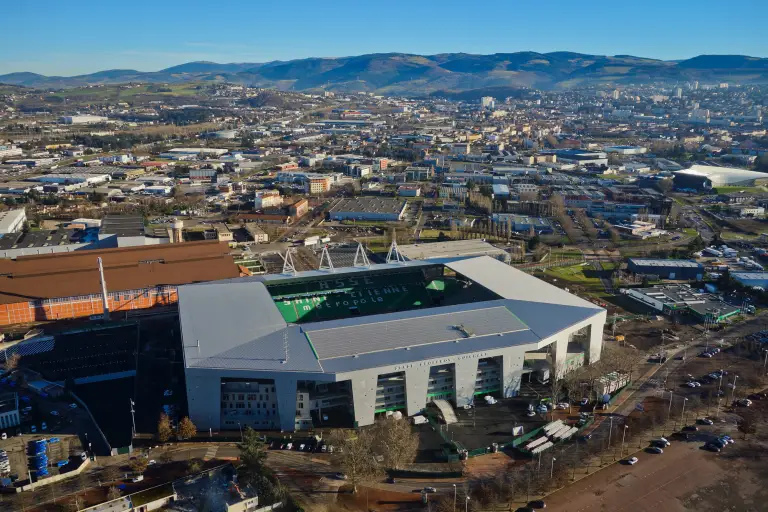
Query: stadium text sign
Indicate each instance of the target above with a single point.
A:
(442, 360)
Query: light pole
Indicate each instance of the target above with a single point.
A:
(552, 468)
(669, 409)
(623, 433)
(733, 390)
(765, 363)
(454, 497)
(682, 414)
(466, 504)
(610, 431)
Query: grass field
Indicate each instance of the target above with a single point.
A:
(728, 190)
(574, 273)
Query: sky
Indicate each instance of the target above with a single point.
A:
(52, 37)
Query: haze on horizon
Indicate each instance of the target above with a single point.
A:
(149, 36)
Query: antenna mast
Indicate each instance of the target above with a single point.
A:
(285, 348)
(104, 302)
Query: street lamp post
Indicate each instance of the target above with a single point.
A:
(466, 504)
(682, 414)
(454, 497)
(623, 433)
(733, 390)
(669, 409)
(552, 468)
(765, 363)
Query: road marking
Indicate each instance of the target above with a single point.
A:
(211, 452)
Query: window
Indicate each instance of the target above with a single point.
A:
(241, 397)
(225, 397)
(240, 405)
(301, 405)
(251, 397)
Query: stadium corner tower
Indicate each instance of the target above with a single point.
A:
(336, 348)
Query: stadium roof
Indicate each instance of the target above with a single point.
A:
(235, 324)
(720, 176)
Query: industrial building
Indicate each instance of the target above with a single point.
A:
(369, 209)
(523, 223)
(675, 299)
(453, 249)
(705, 177)
(67, 285)
(12, 221)
(751, 279)
(82, 119)
(667, 269)
(335, 348)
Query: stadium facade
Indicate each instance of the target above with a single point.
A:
(336, 348)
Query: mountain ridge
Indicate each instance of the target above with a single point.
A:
(405, 73)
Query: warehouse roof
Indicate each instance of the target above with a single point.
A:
(369, 205)
(645, 262)
(722, 174)
(236, 324)
(454, 248)
(76, 273)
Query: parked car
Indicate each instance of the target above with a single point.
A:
(430, 490)
(632, 461)
(655, 449)
(706, 421)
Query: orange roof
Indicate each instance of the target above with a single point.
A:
(71, 274)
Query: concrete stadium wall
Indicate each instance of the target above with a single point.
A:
(204, 385)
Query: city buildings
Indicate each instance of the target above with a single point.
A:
(12, 221)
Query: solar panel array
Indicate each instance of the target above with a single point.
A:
(410, 332)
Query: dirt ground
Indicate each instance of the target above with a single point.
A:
(379, 499)
(684, 477)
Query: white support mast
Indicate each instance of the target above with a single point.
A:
(394, 256)
(325, 260)
(104, 302)
(288, 266)
(361, 258)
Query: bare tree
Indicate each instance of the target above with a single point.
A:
(12, 362)
(398, 442)
(357, 459)
(747, 425)
(113, 493)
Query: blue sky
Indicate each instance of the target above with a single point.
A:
(83, 36)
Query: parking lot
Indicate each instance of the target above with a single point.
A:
(484, 425)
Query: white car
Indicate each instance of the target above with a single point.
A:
(152, 462)
(690, 384)
(632, 461)
(563, 405)
(531, 413)
(707, 421)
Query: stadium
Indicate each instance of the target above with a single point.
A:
(336, 347)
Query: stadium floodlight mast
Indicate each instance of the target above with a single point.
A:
(104, 302)
(288, 266)
(325, 260)
(361, 258)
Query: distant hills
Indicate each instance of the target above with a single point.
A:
(400, 73)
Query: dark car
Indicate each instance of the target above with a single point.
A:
(537, 504)
(691, 428)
